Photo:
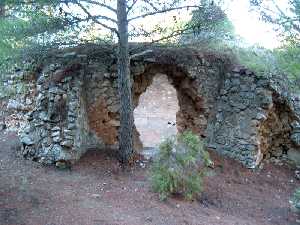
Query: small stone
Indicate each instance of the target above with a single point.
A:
(66, 79)
(55, 134)
(294, 156)
(114, 108)
(39, 124)
(82, 56)
(249, 72)
(69, 54)
(71, 119)
(56, 149)
(28, 101)
(64, 96)
(57, 98)
(296, 138)
(43, 116)
(96, 195)
(295, 125)
(149, 219)
(68, 132)
(67, 143)
(63, 165)
(56, 139)
(26, 140)
(236, 69)
(56, 128)
(69, 137)
(71, 114)
(71, 126)
(54, 90)
(2, 126)
(114, 123)
(297, 174)
(260, 116)
(15, 105)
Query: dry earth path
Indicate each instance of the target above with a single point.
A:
(96, 192)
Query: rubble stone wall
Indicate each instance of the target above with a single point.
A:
(77, 105)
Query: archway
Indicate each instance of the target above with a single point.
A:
(155, 115)
(192, 112)
(275, 132)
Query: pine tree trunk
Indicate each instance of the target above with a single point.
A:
(126, 109)
(2, 9)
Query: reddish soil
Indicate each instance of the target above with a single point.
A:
(96, 192)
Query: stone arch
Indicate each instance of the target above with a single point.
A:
(229, 105)
(275, 131)
(155, 114)
(193, 112)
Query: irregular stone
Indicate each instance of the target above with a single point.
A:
(260, 116)
(2, 126)
(82, 56)
(71, 119)
(71, 114)
(15, 105)
(43, 116)
(67, 143)
(68, 132)
(27, 140)
(296, 127)
(72, 126)
(55, 134)
(56, 149)
(63, 165)
(294, 156)
(114, 123)
(56, 139)
(55, 128)
(69, 54)
(69, 137)
(56, 91)
(28, 101)
(296, 139)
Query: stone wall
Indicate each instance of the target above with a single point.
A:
(77, 105)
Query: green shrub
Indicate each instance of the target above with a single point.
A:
(180, 166)
(295, 201)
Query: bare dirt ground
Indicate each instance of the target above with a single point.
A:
(96, 192)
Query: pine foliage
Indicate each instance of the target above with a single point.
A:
(180, 166)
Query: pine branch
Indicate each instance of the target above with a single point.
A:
(175, 33)
(95, 19)
(129, 8)
(92, 2)
(162, 11)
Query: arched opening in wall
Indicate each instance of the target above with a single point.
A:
(155, 114)
(274, 133)
(191, 110)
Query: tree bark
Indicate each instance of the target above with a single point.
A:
(2, 10)
(126, 107)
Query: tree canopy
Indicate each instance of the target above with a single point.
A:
(209, 24)
(285, 15)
